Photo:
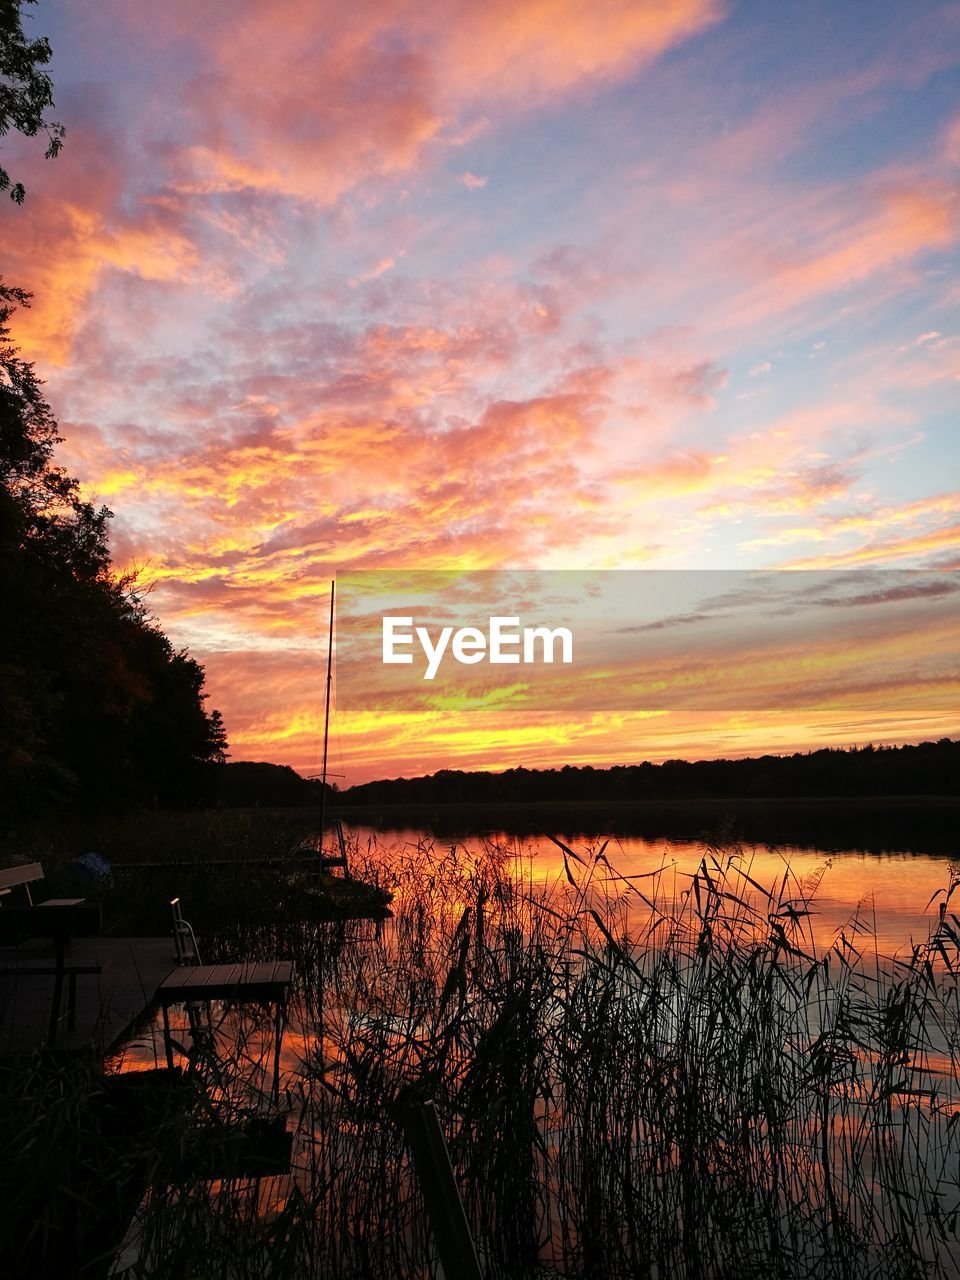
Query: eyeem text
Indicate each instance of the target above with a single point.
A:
(502, 642)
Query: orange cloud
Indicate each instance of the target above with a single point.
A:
(903, 222)
(66, 246)
(869, 520)
(548, 47)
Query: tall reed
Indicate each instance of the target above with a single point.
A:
(658, 1075)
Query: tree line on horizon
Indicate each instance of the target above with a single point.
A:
(246, 784)
(928, 768)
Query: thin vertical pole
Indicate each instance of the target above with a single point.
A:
(326, 719)
(279, 1022)
(166, 1037)
(60, 944)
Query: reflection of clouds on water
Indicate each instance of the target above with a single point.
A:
(892, 891)
(531, 984)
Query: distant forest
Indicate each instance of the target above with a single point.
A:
(245, 784)
(931, 768)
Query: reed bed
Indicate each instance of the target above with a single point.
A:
(663, 1075)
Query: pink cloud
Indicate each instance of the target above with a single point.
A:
(364, 92)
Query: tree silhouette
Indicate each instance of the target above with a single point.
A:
(928, 768)
(218, 738)
(96, 706)
(25, 90)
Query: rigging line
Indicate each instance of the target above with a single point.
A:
(336, 718)
(319, 739)
(342, 773)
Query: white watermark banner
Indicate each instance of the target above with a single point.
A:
(498, 669)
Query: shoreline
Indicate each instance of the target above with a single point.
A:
(882, 824)
(714, 802)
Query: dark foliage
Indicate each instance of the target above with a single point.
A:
(930, 768)
(96, 706)
(25, 90)
(247, 783)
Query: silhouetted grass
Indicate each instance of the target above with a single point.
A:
(659, 1075)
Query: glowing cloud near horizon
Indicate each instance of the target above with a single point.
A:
(665, 665)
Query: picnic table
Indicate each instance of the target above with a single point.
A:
(56, 920)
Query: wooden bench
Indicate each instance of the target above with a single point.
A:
(58, 920)
(23, 877)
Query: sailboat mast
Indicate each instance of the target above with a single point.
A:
(326, 717)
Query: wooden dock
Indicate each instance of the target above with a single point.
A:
(259, 982)
(108, 1003)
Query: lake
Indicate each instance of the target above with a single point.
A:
(643, 1065)
(892, 891)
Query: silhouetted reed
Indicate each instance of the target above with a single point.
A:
(660, 1075)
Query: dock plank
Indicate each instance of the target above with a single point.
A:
(108, 1003)
(261, 980)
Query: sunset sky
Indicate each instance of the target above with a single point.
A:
(323, 287)
(664, 664)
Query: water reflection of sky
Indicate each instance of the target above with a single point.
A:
(889, 893)
(369, 996)
(892, 891)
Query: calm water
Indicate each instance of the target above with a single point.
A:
(891, 891)
(367, 998)
(895, 895)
